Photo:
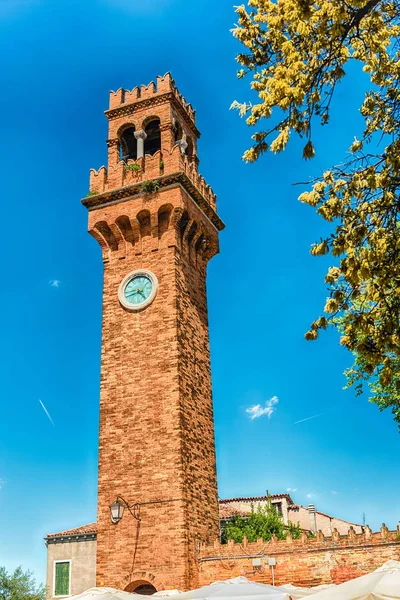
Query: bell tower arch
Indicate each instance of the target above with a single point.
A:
(155, 219)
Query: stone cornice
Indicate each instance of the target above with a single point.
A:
(66, 539)
(126, 192)
(156, 99)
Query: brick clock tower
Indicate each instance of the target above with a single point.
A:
(155, 219)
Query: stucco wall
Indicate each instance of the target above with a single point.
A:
(82, 555)
(246, 505)
(325, 523)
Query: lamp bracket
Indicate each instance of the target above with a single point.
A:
(134, 509)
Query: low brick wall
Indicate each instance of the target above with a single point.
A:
(304, 562)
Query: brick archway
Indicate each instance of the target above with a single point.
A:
(141, 587)
(138, 578)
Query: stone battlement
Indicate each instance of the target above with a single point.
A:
(275, 546)
(163, 85)
(305, 561)
(150, 167)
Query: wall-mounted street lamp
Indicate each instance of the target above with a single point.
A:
(117, 508)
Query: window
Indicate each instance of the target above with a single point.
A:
(153, 141)
(278, 507)
(62, 577)
(128, 144)
(177, 131)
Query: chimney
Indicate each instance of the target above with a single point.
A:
(313, 518)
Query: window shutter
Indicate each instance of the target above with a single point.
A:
(61, 587)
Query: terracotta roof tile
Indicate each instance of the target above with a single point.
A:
(226, 512)
(257, 498)
(84, 529)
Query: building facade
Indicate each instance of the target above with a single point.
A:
(76, 548)
(71, 561)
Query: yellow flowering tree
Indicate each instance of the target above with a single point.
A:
(296, 51)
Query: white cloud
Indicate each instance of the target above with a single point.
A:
(334, 492)
(54, 283)
(291, 489)
(2, 483)
(257, 410)
(309, 496)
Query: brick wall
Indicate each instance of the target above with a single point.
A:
(304, 562)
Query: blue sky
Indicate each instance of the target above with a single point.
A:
(59, 60)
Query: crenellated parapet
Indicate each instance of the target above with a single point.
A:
(162, 85)
(304, 562)
(125, 102)
(165, 167)
(319, 541)
(191, 169)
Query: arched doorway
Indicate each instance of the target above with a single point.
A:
(141, 586)
(146, 589)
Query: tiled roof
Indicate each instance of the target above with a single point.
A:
(226, 511)
(257, 498)
(83, 530)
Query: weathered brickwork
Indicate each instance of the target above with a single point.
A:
(304, 562)
(156, 418)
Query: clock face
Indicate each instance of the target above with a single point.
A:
(138, 290)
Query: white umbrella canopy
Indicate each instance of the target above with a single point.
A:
(301, 592)
(239, 588)
(382, 584)
(103, 593)
(106, 593)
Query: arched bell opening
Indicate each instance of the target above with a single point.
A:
(152, 142)
(178, 131)
(128, 144)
